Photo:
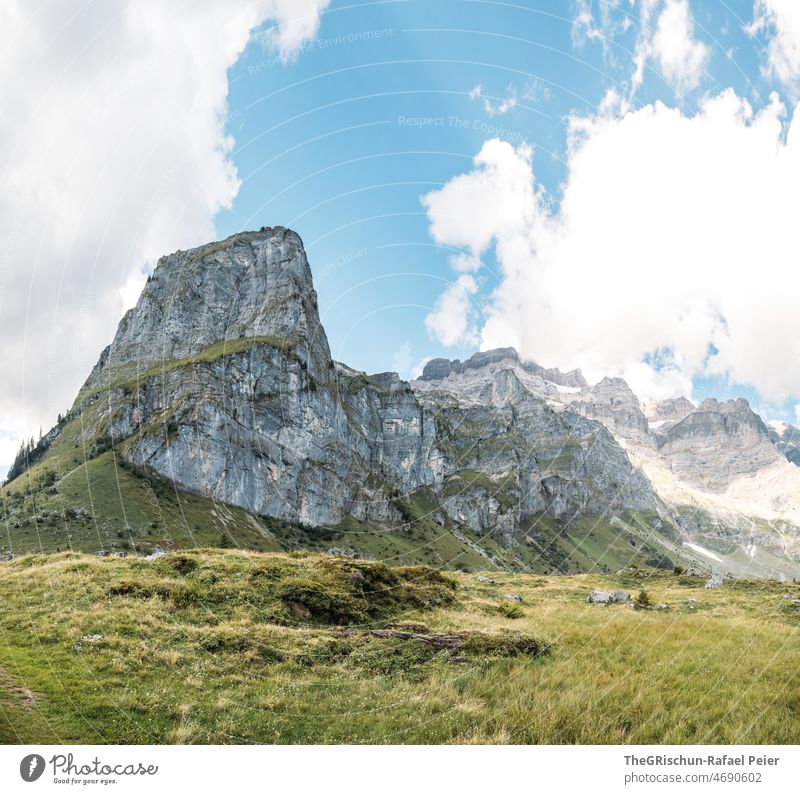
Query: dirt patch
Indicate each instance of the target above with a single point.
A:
(14, 693)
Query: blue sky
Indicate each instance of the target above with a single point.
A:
(608, 184)
(341, 142)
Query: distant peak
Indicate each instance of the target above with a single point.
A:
(440, 368)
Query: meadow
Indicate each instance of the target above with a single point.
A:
(229, 646)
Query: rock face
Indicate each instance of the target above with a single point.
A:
(613, 403)
(253, 285)
(718, 443)
(221, 379)
(786, 438)
(439, 368)
(664, 414)
(513, 456)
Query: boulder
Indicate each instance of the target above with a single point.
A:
(714, 582)
(600, 597)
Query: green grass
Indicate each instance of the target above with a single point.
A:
(102, 503)
(231, 646)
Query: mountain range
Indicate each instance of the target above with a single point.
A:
(217, 416)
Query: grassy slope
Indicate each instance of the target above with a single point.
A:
(228, 646)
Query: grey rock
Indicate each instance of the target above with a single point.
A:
(718, 443)
(620, 595)
(786, 439)
(513, 597)
(599, 597)
(714, 582)
(613, 403)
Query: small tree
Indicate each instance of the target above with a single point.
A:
(643, 599)
(225, 541)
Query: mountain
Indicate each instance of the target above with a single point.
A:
(217, 415)
(786, 438)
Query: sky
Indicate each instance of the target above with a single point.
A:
(604, 184)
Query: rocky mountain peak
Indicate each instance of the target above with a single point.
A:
(672, 409)
(612, 402)
(441, 368)
(786, 438)
(252, 285)
(718, 442)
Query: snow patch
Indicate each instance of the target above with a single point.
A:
(779, 427)
(701, 550)
(565, 389)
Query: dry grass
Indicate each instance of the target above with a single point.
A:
(211, 646)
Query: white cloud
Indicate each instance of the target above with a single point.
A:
(401, 359)
(497, 107)
(671, 236)
(665, 38)
(464, 263)
(780, 19)
(451, 320)
(602, 27)
(113, 153)
(681, 58)
(797, 413)
(488, 203)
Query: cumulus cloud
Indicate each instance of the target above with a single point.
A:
(113, 152)
(673, 251)
(681, 58)
(780, 20)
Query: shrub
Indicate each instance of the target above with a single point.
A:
(180, 563)
(643, 599)
(511, 610)
(309, 599)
